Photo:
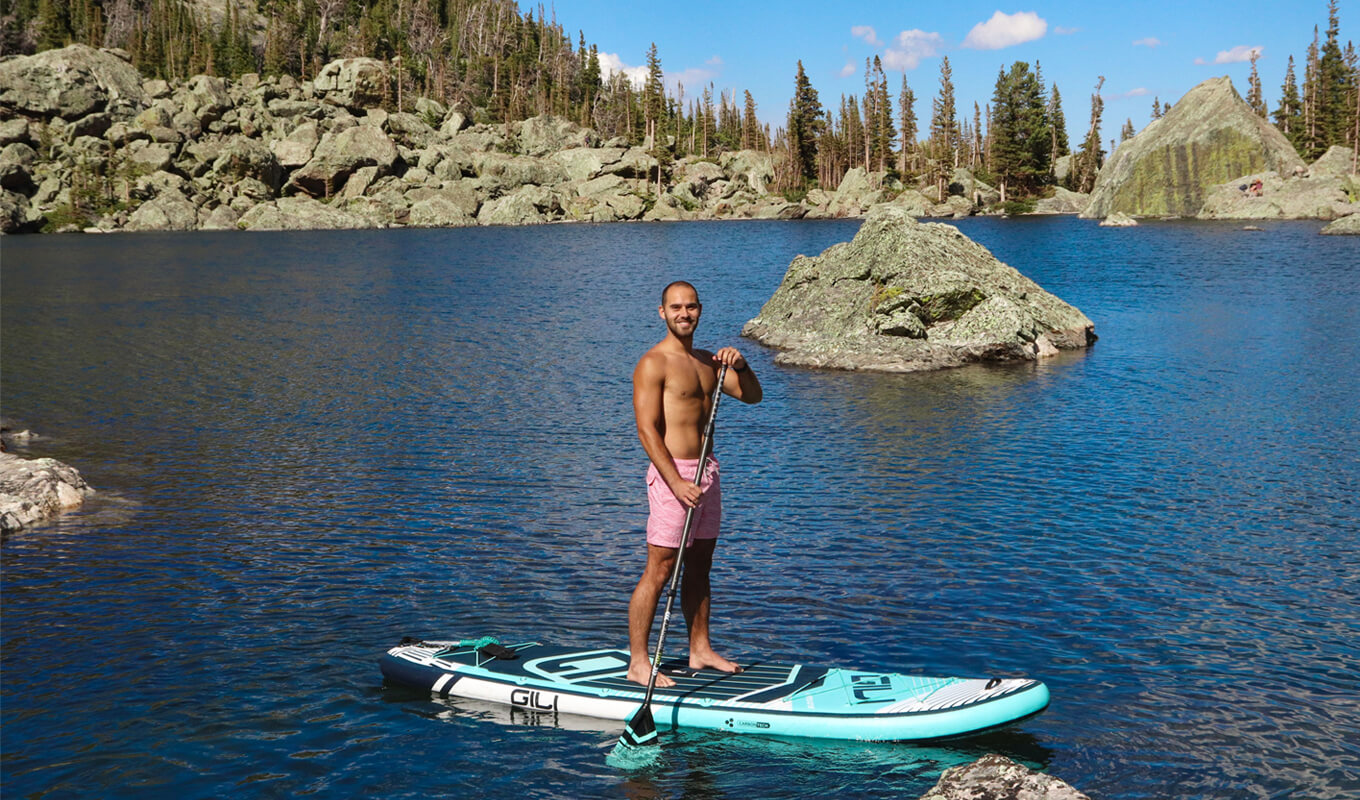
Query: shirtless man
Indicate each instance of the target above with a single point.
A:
(672, 386)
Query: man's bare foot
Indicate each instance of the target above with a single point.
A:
(713, 661)
(641, 673)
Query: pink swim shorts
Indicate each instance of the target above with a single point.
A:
(667, 520)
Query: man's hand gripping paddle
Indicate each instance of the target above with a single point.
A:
(639, 743)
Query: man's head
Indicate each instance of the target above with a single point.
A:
(680, 308)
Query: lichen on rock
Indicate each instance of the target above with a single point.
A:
(904, 296)
(1211, 136)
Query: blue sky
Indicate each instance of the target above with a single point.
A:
(1144, 50)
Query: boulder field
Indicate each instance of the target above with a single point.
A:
(87, 144)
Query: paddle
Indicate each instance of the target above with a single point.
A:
(640, 730)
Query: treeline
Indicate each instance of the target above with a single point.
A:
(1326, 111)
(1015, 140)
(499, 63)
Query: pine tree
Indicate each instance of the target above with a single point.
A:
(750, 126)
(1090, 157)
(1335, 83)
(1311, 138)
(1157, 105)
(906, 104)
(805, 127)
(1289, 115)
(1254, 98)
(944, 128)
(1058, 122)
(653, 96)
(882, 127)
(975, 148)
(1127, 131)
(1022, 137)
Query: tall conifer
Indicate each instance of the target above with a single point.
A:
(1289, 114)
(1255, 100)
(805, 126)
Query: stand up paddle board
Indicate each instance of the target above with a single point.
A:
(771, 699)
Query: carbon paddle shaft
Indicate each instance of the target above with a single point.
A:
(705, 447)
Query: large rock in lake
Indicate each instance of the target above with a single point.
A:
(904, 296)
(1210, 137)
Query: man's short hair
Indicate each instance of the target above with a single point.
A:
(673, 284)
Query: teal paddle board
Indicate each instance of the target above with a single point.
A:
(765, 698)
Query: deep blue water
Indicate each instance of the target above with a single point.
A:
(309, 445)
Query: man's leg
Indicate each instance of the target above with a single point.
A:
(695, 600)
(642, 610)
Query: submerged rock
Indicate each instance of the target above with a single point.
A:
(995, 777)
(32, 490)
(1210, 137)
(905, 296)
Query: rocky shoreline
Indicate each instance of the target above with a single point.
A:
(86, 144)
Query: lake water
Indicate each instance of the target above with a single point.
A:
(309, 445)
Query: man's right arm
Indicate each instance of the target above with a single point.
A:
(649, 384)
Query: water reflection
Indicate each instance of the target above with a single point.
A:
(308, 446)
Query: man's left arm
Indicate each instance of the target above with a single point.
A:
(741, 381)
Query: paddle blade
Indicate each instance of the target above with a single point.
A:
(639, 745)
(640, 730)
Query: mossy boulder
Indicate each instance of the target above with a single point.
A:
(904, 296)
(1210, 137)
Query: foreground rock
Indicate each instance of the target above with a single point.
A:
(1209, 138)
(995, 777)
(905, 296)
(32, 490)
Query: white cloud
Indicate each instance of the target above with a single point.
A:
(693, 79)
(1139, 92)
(1059, 30)
(867, 33)
(907, 50)
(1005, 30)
(610, 63)
(848, 69)
(1150, 41)
(1237, 54)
